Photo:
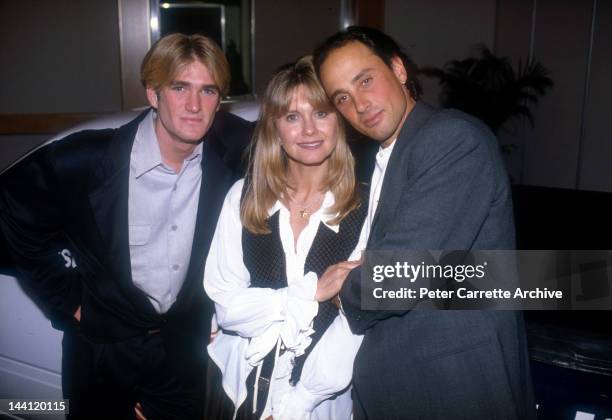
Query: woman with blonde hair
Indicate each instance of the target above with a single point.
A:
(298, 211)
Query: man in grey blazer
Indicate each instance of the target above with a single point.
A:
(439, 184)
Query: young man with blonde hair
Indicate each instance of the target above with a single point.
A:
(138, 205)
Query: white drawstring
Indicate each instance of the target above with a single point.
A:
(258, 374)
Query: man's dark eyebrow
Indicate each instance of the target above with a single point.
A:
(353, 81)
(360, 75)
(336, 93)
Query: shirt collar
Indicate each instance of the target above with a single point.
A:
(382, 157)
(145, 151)
(196, 155)
(323, 213)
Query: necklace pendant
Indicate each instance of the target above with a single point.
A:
(304, 214)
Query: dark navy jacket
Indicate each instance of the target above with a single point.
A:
(76, 190)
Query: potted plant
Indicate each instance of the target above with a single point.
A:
(488, 87)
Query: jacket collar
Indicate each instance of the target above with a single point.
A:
(388, 199)
(109, 203)
(145, 153)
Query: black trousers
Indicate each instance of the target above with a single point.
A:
(105, 381)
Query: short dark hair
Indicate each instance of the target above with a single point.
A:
(379, 43)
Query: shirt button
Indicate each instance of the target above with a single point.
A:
(174, 227)
(175, 267)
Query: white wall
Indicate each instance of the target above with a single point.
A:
(567, 148)
(59, 56)
(286, 30)
(433, 32)
(561, 43)
(596, 158)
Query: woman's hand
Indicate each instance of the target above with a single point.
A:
(331, 281)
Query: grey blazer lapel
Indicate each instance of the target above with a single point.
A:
(396, 174)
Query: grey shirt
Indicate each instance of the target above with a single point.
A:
(162, 213)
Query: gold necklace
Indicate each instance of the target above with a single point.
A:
(305, 211)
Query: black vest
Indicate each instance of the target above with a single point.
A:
(264, 257)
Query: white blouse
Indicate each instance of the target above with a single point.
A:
(265, 319)
(322, 375)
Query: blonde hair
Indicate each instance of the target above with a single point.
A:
(172, 52)
(266, 180)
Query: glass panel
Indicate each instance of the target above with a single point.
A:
(228, 22)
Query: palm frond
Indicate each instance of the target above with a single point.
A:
(488, 87)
